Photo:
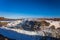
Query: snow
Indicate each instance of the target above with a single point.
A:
(55, 23)
(22, 31)
(19, 34)
(14, 23)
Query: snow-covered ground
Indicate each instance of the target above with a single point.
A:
(6, 21)
(20, 34)
(24, 31)
(55, 23)
(14, 23)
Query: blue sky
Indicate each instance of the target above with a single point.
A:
(29, 8)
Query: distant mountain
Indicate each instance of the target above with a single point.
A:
(54, 19)
(8, 19)
(2, 18)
